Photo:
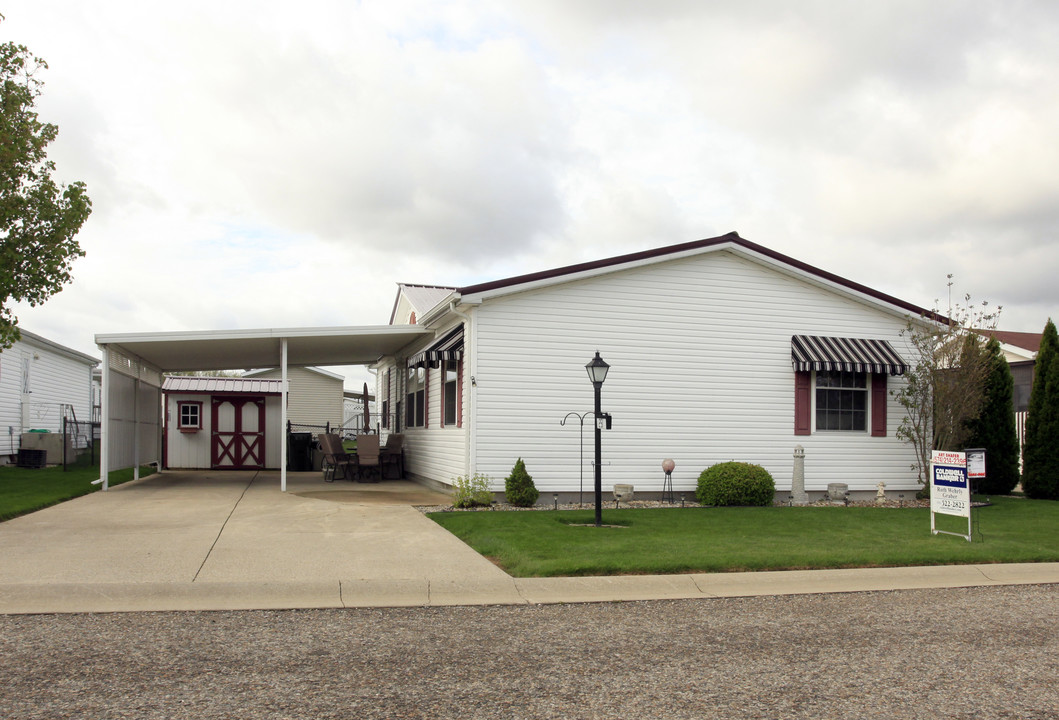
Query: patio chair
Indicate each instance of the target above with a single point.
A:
(368, 456)
(393, 455)
(336, 459)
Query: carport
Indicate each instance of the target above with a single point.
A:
(134, 365)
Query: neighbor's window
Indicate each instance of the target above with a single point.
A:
(452, 388)
(190, 415)
(841, 401)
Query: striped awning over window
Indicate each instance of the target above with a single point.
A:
(816, 352)
(448, 347)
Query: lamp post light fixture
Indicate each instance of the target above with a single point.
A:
(597, 373)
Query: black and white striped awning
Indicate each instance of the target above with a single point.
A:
(449, 347)
(815, 352)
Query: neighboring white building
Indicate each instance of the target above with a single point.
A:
(315, 396)
(221, 423)
(40, 382)
(718, 349)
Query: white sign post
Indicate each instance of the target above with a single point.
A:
(950, 492)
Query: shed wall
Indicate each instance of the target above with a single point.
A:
(191, 451)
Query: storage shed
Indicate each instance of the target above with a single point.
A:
(222, 423)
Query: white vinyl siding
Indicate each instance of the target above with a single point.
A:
(312, 398)
(432, 452)
(700, 355)
(55, 380)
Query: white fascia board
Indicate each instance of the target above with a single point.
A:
(479, 298)
(827, 284)
(46, 344)
(257, 334)
(310, 368)
(1020, 351)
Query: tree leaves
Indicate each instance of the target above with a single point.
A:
(39, 219)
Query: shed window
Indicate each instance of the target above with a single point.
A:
(841, 401)
(190, 415)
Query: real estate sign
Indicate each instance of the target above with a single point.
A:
(950, 492)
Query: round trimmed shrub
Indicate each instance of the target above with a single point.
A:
(735, 483)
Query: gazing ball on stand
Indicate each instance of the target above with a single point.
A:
(668, 465)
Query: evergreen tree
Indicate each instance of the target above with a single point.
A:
(994, 428)
(1040, 455)
(519, 488)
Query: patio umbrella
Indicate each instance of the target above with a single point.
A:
(367, 410)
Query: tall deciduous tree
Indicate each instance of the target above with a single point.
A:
(1040, 455)
(944, 387)
(994, 428)
(39, 218)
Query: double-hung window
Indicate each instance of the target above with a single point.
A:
(841, 401)
(451, 392)
(415, 397)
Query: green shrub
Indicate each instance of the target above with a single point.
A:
(735, 483)
(468, 492)
(519, 487)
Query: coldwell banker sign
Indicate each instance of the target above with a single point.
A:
(950, 493)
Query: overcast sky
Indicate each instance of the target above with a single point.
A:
(280, 164)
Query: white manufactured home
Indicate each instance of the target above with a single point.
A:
(315, 396)
(719, 350)
(41, 382)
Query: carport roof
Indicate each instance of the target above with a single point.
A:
(241, 349)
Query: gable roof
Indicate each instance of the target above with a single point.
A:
(421, 297)
(309, 368)
(1024, 340)
(729, 241)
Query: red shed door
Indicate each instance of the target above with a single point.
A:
(238, 441)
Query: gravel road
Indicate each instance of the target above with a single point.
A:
(964, 653)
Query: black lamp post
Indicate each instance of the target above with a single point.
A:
(597, 372)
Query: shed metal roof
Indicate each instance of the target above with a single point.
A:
(221, 385)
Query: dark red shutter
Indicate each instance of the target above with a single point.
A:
(802, 403)
(878, 405)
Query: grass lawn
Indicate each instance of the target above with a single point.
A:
(23, 490)
(673, 540)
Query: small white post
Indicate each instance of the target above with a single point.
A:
(798, 494)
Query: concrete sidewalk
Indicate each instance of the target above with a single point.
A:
(233, 541)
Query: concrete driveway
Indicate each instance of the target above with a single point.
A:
(232, 540)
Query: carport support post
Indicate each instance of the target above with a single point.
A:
(283, 417)
(104, 420)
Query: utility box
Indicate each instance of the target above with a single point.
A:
(32, 458)
(52, 443)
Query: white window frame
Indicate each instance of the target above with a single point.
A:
(866, 389)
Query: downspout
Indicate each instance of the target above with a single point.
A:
(470, 420)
